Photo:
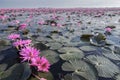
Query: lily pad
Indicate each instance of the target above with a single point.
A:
(54, 45)
(72, 77)
(117, 77)
(40, 46)
(47, 76)
(68, 49)
(111, 55)
(68, 77)
(109, 42)
(88, 48)
(104, 66)
(98, 39)
(86, 36)
(72, 44)
(8, 57)
(117, 49)
(80, 68)
(72, 55)
(4, 44)
(20, 71)
(52, 56)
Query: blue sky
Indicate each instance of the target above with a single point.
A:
(58, 3)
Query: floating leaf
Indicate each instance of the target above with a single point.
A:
(117, 77)
(104, 66)
(4, 44)
(52, 56)
(45, 75)
(86, 36)
(8, 57)
(72, 55)
(109, 42)
(54, 45)
(117, 49)
(111, 55)
(75, 39)
(80, 68)
(17, 72)
(88, 48)
(98, 40)
(68, 77)
(111, 26)
(40, 46)
(68, 49)
(72, 77)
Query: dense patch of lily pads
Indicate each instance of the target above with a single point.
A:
(80, 44)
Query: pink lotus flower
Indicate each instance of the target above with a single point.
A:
(23, 26)
(22, 43)
(108, 29)
(43, 79)
(78, 24)
(30, 16)
(14, 36)
(53, 24)
(28, 20)
(17, 21)
(41, 63)
(54, 16)
(28, 53)
(3, 17)
(41, 22)
(59, 25)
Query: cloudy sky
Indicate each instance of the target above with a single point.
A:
(58, 3)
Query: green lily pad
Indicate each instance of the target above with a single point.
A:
(68, 77)
(109, 42)
(72, 55)
(52, 56)
(88, 48)
(68, 49)
(8, 57)
(72, 44)
(72, 77)
(86, 36)
(104, 66)
(98, 39)
(45, 75)
(80, 68)
(117, 77)
(111, 55)
(20, 71)
(54, 45)
(41, 46)
(117, 49)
